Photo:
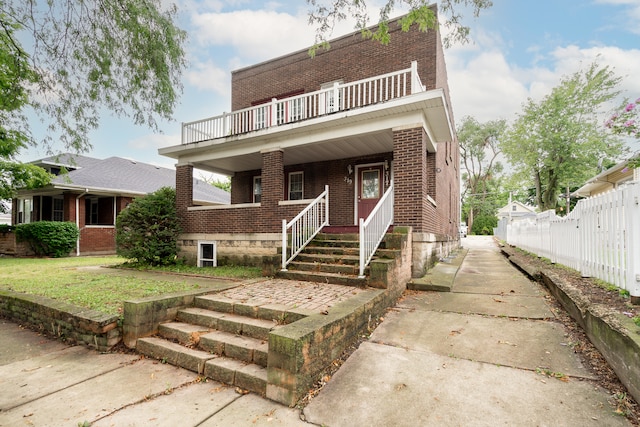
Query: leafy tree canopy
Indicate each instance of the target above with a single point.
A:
(66, 60)
(560, 140)
(481, 178)
(325, 14)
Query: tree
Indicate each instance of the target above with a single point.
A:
(479, 151)
(559, 141)
(147, 230)
(325, 14)
(68, 60)
(627, 122)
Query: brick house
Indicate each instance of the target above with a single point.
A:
(92, 192)
(359, 119)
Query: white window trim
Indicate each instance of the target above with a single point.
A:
(253, 189)
(215, 252)
(301, 173)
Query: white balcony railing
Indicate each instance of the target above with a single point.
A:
(306, 106)
(304, 227)
(373, 229)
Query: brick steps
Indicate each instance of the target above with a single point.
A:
(212, 339)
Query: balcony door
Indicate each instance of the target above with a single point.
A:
(370, 188)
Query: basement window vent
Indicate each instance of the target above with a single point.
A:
(207, 254)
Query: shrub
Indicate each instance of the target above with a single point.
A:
(49, 238)
(147, 230)
(484, 225)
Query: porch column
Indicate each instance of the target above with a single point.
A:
(272, 187)
(184, 187)
(409, 177)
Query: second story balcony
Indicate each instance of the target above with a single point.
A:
(278, 112)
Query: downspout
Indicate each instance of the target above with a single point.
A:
(86, 191)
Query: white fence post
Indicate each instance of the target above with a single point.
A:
(632, 240)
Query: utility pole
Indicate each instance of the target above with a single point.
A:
(568, 201)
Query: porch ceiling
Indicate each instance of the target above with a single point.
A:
(344, 134)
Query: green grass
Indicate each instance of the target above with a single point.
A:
(64, 279)
(229, 271)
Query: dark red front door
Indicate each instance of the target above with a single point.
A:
(369, 189)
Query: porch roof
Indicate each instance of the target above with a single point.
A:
(116, 176)
(343, 134)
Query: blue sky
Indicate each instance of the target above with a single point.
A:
(520, 49)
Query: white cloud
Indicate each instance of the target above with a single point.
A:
(485, 85)
(208, 76)
(254, 34)
(152, 142)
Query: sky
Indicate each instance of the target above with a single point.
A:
(519, 49)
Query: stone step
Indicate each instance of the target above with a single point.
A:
(247, 376)
(329, 258)
(173, 353)
(228, 322)
(339, 236)
(328, 243)
(184, 333)
(245, 349)
(266, 311)
(331, 251)
(349, 269)
(331, 278)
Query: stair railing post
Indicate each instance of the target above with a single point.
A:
(326, 204)
(284, 245)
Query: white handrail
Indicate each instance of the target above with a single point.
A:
(373, 229)
(305, 226)
(306, 106)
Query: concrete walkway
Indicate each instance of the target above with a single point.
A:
(487, 353)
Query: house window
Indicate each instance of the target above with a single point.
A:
(207, 254)
(331, 103)
(25, 206)
(260, 118)
(257, 189)
(91, 211)
(296, 186)
(290, 110)
(58, 209)
(513, 208)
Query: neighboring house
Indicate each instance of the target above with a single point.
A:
(609, 179)
(515, 210)
(5, 212)
(92, 192)
(356, 118)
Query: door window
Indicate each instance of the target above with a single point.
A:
(370, 184)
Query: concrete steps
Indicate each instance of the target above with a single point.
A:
(212, 339)
(332, 258)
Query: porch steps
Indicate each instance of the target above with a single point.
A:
(332, 258)
(212, 339)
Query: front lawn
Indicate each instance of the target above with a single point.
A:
(69, 280)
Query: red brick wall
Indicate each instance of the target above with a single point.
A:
(350, 58)
(96, 239)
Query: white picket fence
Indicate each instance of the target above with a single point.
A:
(600, 238)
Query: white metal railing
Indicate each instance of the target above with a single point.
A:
(373, 229)
(304, 226)
(306, 106)
(600, 238)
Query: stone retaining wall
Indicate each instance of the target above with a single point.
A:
(300, 351)
(615, 336)
(66, 321)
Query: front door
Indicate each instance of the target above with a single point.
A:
(370, 182)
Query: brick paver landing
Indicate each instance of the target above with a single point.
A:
(292, 293)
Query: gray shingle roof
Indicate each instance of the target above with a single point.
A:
(119, 175)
